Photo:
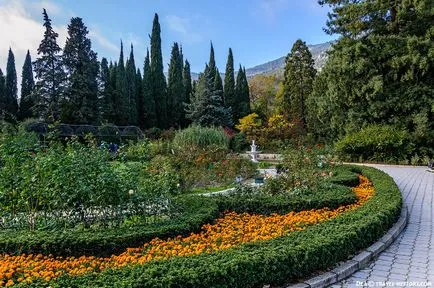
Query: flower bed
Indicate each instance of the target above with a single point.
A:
(239, 250)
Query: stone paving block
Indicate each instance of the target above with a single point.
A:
(363, 258)
(322, 280)
(346, 269)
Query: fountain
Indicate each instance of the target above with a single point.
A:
(253, 153)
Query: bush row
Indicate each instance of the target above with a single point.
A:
(265, 262)
(194, 211)
(327, 195)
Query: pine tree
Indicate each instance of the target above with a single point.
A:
(81, 97)
(158, 80)
(2, 91)
(105, 104)
(139, 98)
(121, 92)
(188, 90)
(27, 85)
(175, 88)
(298, 80)
(149, 117)
(206, 107)
(49, 73)
(131, 89)
(11, 104)
(229, 86)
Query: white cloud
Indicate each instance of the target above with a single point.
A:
(183, 27)
(21, 29)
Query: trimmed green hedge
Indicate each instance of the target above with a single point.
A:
(274, 261)
(328, 195)
(197, 211)
(342, 175)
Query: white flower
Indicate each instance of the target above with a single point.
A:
(131, 192)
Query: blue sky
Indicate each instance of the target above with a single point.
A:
(257, 30)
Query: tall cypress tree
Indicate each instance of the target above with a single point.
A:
(81, 101)
(139, 98)
(11, 107)
(50, 76)
(105, 104)
(2, 91)
(188, 89)
(149, 117)
(298, 81)
(112, 94)
(158, 80)
(121, 92)
(229, 87)
(211, 64)
(175, 88)
(241, 106)
(131, 89)
(27, 84)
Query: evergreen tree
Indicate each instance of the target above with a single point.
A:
(158, 80)
(218, 83)
(149, 116)
(206, 107)
(82, 67)
(112, 94)
(121, 92)
(298, 81)
(105, 105)
(241, 106)
(229, 87)
(131, 89)
(11, 104)
(175, 88)
(211, 64)
(49, 73)
(139, 98)
(188, 90)
(27, 85)
(2, 91)
(376, 73)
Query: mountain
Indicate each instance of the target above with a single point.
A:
(319, 54)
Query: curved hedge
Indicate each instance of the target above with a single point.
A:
(263, 262)
(331, 196)
(274, 261)
(197, 211)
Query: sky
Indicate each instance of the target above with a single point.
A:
(257, 30)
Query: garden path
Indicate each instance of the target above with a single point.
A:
(409, 261)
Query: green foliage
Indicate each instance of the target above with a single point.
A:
(80, 105)
(229, 87)
(188, 91)
(375, 143)
(298, 80)
(158, 80)
(192, 213)
(109, 133)
(149, 117)
(175, 88)
(11, 89)
(131, 97)
(50, 75)
(254, 264)
(27, 85)
(241, 106)
(200, 137)
(239, 143)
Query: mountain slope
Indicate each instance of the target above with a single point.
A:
(276, 66)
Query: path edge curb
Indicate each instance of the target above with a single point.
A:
(359, 261)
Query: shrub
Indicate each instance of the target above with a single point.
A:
(200, 137)
(382, 143)
(84, 130)
(238, 143)
(137, 151)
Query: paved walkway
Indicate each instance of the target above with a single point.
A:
(409, 261)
